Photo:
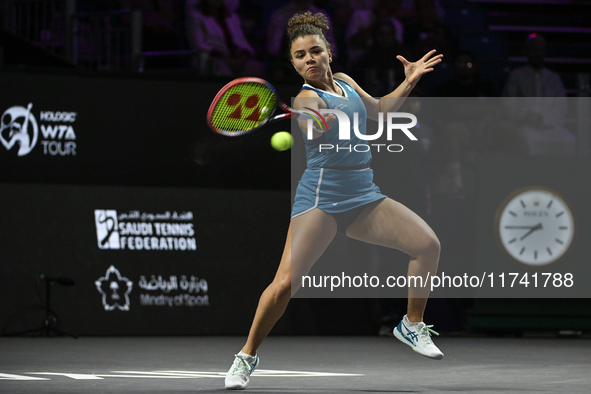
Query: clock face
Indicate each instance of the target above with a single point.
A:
(535, 227)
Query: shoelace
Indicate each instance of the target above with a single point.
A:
(241, 366)
(426, 332)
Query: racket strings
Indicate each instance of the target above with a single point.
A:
(243, 107)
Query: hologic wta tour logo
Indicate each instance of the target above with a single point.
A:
(54, 132)
(18, 125)
(345, 129)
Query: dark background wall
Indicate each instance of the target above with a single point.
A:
(138, 131)
(142, 145)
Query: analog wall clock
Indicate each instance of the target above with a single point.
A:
(535, 226)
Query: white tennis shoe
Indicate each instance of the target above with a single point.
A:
(238, 376)
(418, 337)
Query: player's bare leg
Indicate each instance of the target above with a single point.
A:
(307, 238)
(390, 224)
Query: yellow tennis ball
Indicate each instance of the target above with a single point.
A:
(281, 141)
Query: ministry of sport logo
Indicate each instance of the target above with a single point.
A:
(392, 123)
(54, 132)
(114, 289)
(158, 290)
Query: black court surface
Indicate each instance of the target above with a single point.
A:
(294, 365)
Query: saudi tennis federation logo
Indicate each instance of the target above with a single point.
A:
(106, 229)
(115, 290)
(19, 126)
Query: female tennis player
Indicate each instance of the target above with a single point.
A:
(336, 193)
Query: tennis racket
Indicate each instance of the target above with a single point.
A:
(244, 105)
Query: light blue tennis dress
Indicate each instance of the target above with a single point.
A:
(337, 181)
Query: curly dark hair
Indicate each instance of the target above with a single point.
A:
(305, 24)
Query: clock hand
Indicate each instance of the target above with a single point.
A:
(521, 227)
(534, 228)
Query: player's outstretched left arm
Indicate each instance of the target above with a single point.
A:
(413, 72)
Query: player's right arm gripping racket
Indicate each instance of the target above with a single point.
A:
(244, 105)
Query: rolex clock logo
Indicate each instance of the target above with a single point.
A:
(535, 226)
